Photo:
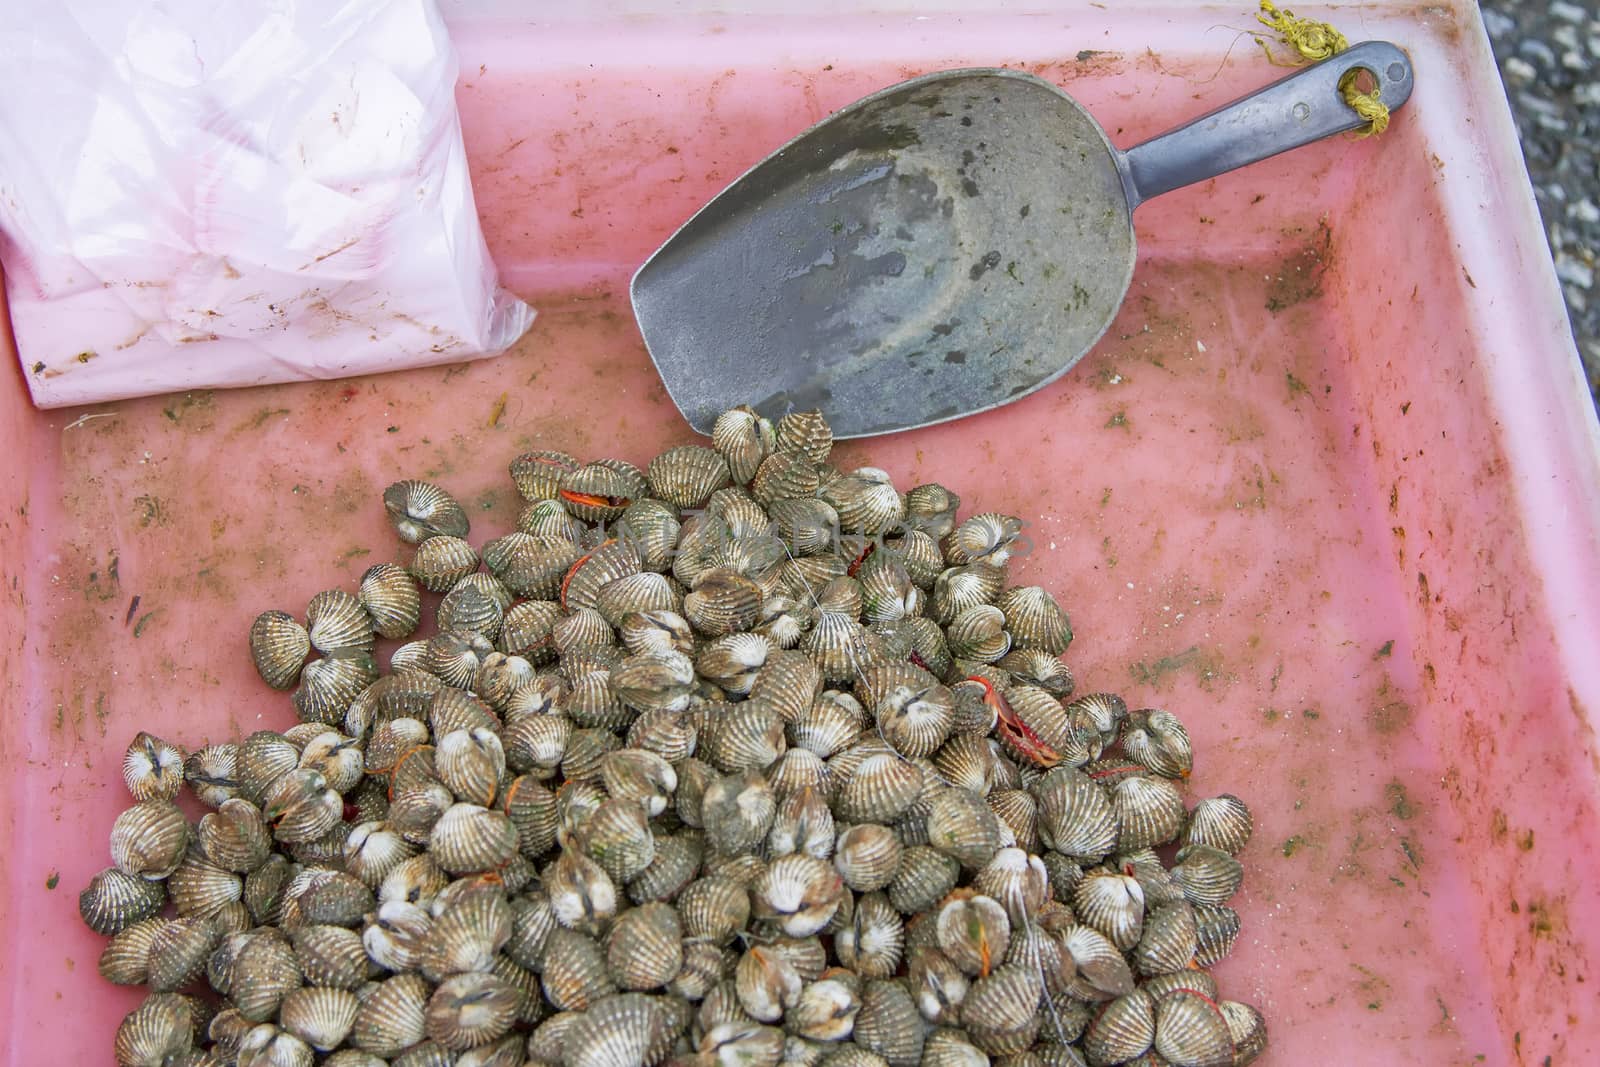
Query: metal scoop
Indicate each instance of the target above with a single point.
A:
(941, 247)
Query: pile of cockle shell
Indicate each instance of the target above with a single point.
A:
(736, 759)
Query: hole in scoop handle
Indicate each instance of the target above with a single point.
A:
(1306, 106)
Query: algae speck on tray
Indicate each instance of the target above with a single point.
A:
(735, 758)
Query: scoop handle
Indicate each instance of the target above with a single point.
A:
(1306, 106)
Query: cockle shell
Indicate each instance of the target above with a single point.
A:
(538, 474)
(152, 769)
(421, 510)
(441, 562)
(686, 476)
(148, 840)
(337, 620)
(279, 645)
(1222, 822)
(601, 491)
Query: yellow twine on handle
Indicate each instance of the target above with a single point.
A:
(1315, 41)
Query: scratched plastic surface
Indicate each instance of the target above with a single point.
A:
(1328, 490)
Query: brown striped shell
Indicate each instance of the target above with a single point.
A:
(1222, 822)
(152, 769)
(530, 565)
(148, 840)
(279, 646)
(744, 439)
(441, 562)
(421, 510)
(337, 620)
(686, 476)
(601, 491)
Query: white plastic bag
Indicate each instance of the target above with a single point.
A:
(201, 193)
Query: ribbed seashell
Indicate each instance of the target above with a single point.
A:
(178, 952)
(279, 646)
(1157, 739)
(126, 957)
(986, 538)
(1004, 999)
(1104, 712)
(686, 476)
(421, 510)
(922, 878)
(617, 837)
(394, 697)
(321, 1017)
(866, 501)
(654, 681)
(1192, 1031)
(469, 838)
(337, 757)
(704, 965)
(152, 769)
(1207, 875)
(547, 1043)
(979, 633)
(456, 709)
(1121, 1030)
(653, 528)
(867, 856)
(549, 520)
(880, 789)
(202, 889)
(476, 603)
(154, 1033)
(391, 1016)
(263, 889)
(831, 724)
(269, 1046)
(786, 682)
(1190, 978)
(440, 562)
(931, 508)
(645, 591)
(872, 944)
(888, 1024)
(974, 933)
(537, 744)
(797, 893)
(961, 825)
(148, 840)
(501, 677)
(644, 948)
(329, 685)
(915, 718)
(1038, 668)
(804, 577)
(744, 439)
(1015, 879)
(672, 735)
(1154, 878)
(1019, 811)
(417, 880)
(469, 926)
(805, 432)
(826, 1008)
(785, 475)
(582, 895)
(1112, 903)
(1246, 1028)
(887, 592)
(949, 1048)
(264, 972)
(397, 935)
(737, 811)
(528, 565)
(337, 620)
(601, 491)
(733, 661)
(391, 598)
(1149, 810)
(677, 861)
(340, 899)
(640, 776)
(743, 1041)
(1076, 817)
(1035, 620)
(354, 1057)
(415, 809)
(1168, 941)
(622, 1029)
(469, 1010)
(1222, 822)
(713, 909)
(210, 772)
(1054, 730)
(800, 768)
(585, 749)
(301, 807)
(938, 986)
(656, 631)
(919, 556)
(959, 589)
(471, 763)
(744, 736)
(806, 525)
(574, 973)
(262, 759)
(722, 602)
(235, 837)
(454, 656)
(331, 956)
(767, 984)
(538, 474)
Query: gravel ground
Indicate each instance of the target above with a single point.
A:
(1549, 56)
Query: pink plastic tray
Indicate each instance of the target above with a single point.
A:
(1328, 490)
